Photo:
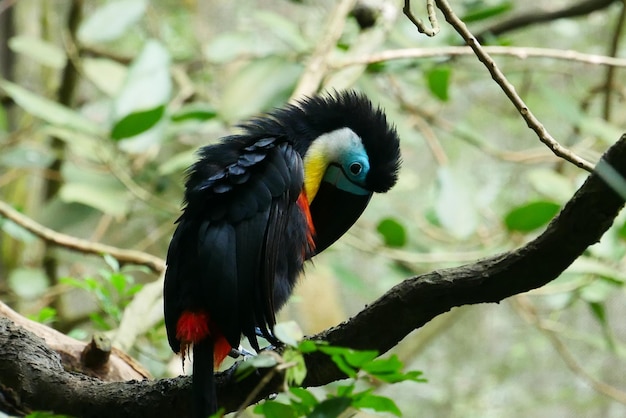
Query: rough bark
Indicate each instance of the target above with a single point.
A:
(31, 375)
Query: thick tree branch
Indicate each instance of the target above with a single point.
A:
(36, 377)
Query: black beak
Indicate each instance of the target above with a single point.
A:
(334, 211)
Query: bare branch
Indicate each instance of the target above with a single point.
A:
(156, 264)
(449, 51)
(419, 24)
(497, 75)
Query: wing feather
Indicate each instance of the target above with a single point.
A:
(241, 236)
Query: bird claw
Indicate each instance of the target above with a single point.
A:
(240, 352)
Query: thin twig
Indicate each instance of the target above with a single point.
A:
(527, 311)
(609, 84)
(497, 75)
(419, 24)
(317, 65)
(448, 51)
(156, 264)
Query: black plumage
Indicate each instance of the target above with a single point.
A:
(245, 231)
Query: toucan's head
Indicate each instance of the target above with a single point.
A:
(349, 151)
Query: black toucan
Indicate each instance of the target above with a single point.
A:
(258, 205)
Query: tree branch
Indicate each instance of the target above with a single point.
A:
(583, 8)
(508, 89)
(156, 264)
(35, 375)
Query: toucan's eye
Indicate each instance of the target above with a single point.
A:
(356, 168)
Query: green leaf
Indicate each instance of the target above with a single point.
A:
(531, 216)
(195, 111)
(337, 356)
(148, 86)
(309, 346)
(46, 315)
(48, 110)
(393, 232)
(273, 409)
(377, 403)
(331, 408)
(483, 13)
(119, 282)
(137, 122)
(112, 262)
(106, 74)
(295, 375)
(359, 358)
(40, 51)
(307, 398)
(111, 21)
(438, 79)
(391, 364)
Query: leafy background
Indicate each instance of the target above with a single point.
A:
(99, 152)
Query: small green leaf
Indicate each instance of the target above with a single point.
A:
(195, 111)
(393, 232)
(48, 110)
(39, 50)
(438, 79)
(112, 262)
(307, 398)
(137, 122)
(295, 375)
(331, 408)
(119, 282)
(359, 358)
(309, 346)
(383, 365)
(377, 403)
(111, 20)
(531, 216)
(275, 409)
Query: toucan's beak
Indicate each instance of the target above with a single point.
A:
(334, 211)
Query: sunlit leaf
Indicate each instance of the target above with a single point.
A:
(49, 110)
(106, 74)
(297, 372)
(530, 216)
(111, 20)
(393, 232)
(438, 79)
(306, 397)
(39, 51)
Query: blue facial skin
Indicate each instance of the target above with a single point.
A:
(350, 175)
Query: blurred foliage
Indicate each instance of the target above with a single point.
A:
(158, 79)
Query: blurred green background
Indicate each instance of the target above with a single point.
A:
(102, 111)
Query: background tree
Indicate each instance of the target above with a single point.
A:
(104, 104)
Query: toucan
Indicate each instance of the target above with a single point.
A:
(258, 204)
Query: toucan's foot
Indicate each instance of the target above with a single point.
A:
(240, 352)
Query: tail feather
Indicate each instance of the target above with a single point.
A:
(203, 382)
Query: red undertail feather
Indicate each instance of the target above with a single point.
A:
(303, 203)
(192, 327)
